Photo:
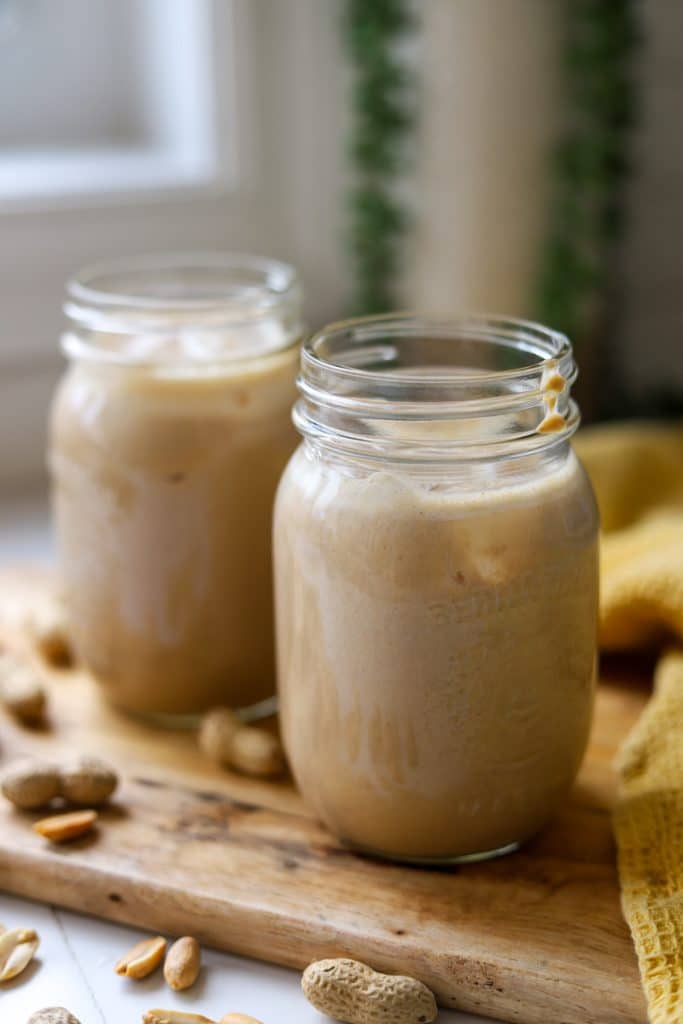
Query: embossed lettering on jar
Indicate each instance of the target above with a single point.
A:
(436, 585)
(169, 432)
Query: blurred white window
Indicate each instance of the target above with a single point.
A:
(130, 126)
(118, 134)
(109, 98)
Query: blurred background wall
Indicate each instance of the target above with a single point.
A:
(650, 336)
(491, 112)
(141, 125)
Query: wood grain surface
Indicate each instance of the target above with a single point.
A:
(536, 937)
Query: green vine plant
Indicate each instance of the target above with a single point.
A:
(591, 165)
(590, 168)
(383, 116)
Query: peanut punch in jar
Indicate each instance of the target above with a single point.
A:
(436, 585)
(169, 433)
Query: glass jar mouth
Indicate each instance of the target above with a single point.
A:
(206, 298)
(423, 387)
(343, 346)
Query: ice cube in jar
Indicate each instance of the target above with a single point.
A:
(169, 431)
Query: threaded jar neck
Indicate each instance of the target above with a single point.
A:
(424, 389)
(182, 310)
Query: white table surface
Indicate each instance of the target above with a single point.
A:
(74, 965)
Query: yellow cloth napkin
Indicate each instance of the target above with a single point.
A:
(637, 473)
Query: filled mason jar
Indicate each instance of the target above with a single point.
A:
(169, 432)
(436, 573)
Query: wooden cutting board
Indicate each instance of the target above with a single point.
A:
(536, 937)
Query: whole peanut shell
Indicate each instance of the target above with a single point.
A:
(52, 1015)
(21, 690)
(354, 993)
(88, 781)
(215, 733)
(29, 784)
(48, 628)
(257, 752)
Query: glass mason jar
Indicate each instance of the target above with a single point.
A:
(436, 573)
(169, 432)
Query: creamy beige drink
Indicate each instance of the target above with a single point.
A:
(436, 622)
(166, 448)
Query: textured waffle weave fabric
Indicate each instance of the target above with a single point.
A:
(637, 473)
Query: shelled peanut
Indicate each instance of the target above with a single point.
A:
(181, 1017)
(245, 748)
(181, 967)
(183, 963)
(62, 828)
(17, 948)
(238, 1018)
(174, 1017)
(143, 958)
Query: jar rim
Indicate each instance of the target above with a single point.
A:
(546, 343)
(436, 388)
(197, 294)
(276, 279)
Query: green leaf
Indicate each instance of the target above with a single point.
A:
(383, 102)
